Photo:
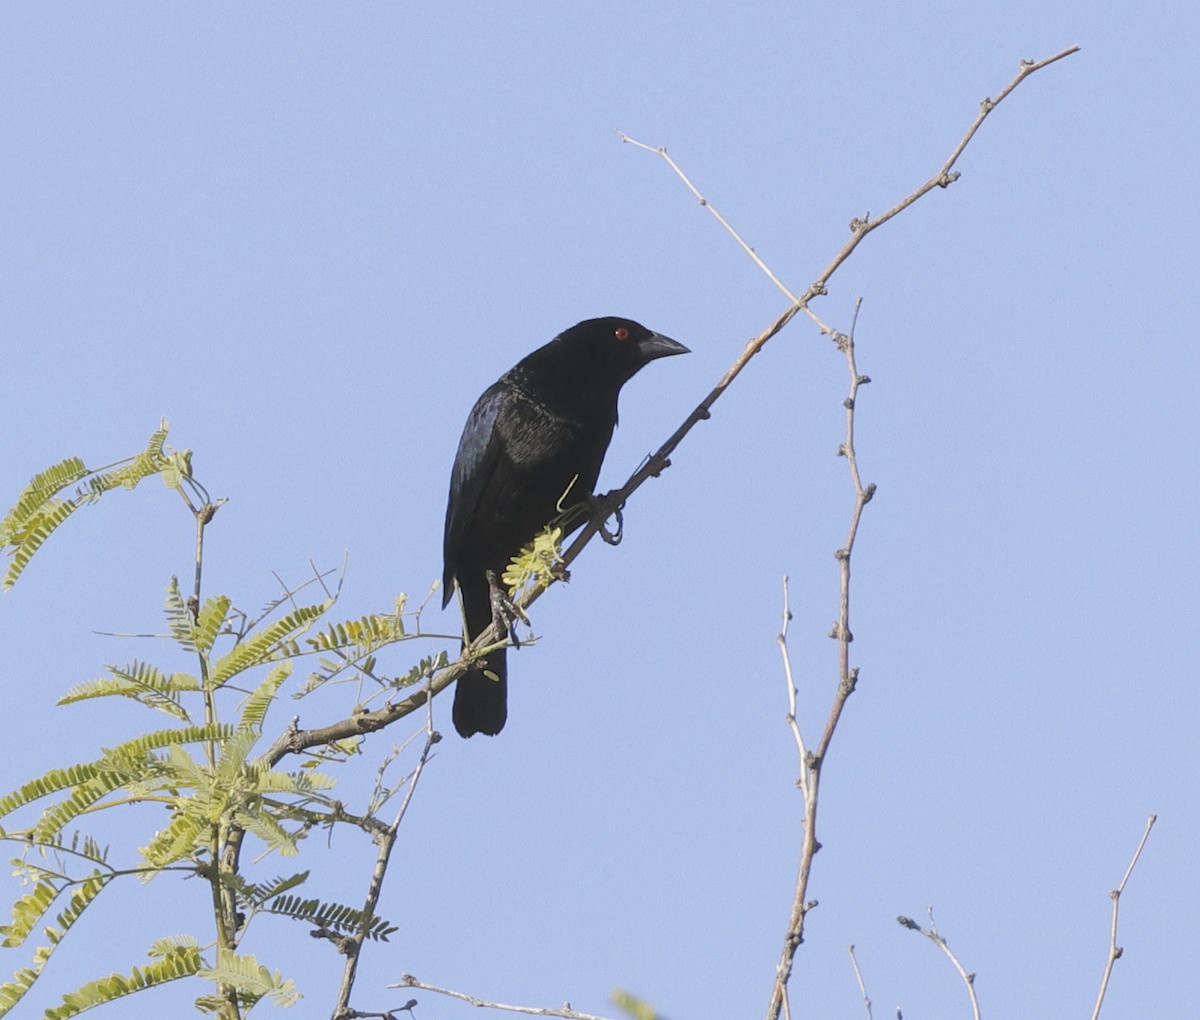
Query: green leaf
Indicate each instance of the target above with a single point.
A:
(301, 783)
(38, 512)
(34, 496)
(255, 707)
(251, 979)
(182, 770)
(212, 615)
(538, 558)
(26, 912)
(13, 991)
(186, 962)
(268, 829)
(355, 640)
(256, 894)
(126, 763)
(56, 817)
(168, 944)
(364, 634)
(231, 774)
(424, 669)
(188, 831)
(179, 617)
(138, 746)
(178, 467)
(39, 528)
(267, 645)
(637, 1008)
(44, 786)
(149, 462)
(333, 916)
(141, 682)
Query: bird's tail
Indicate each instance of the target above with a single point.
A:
(481, 698)
(481, 694)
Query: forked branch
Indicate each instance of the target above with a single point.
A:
(1115, 951)
(811, 760)
(938, 940)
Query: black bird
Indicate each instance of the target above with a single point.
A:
(533, 442)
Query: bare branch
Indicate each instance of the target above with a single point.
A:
(934, 936)
(812, 761)
(1115, 951)
(408, 981)
(861, 227)
(385, 841)
(942, 179)
(862, 987)
(661, 150)
(781, 641)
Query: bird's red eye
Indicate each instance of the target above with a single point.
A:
(622, 333)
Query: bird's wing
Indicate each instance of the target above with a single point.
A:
(478, 450)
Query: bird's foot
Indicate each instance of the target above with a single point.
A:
(605, 507)
(505, 612)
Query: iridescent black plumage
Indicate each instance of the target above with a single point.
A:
(542, 429)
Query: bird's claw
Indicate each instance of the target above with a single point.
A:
(605, 507)
(505, 612)
(613, 537)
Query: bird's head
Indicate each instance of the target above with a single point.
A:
(580, 372)
(612, 349)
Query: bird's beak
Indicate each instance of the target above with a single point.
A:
(658, 346)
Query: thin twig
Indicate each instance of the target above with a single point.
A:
(408, 981)
(812, 761)
(1115, 951)
(942, 179)
(661, 151)
(861, 227)
(934, 936)
(862, 987)
(224, 907)
(862, 496)
(781, 641)
(385, 841)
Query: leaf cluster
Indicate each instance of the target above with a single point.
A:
(539, 559)
(218, 785)
(42, 505)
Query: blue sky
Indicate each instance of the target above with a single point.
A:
(310, 235)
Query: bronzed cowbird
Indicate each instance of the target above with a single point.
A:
(532, 445)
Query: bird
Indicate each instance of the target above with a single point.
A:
(532, 446)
